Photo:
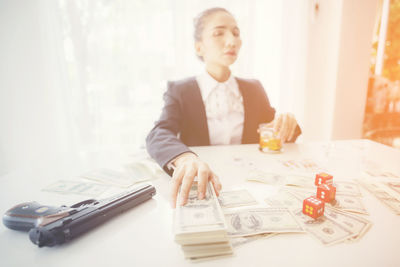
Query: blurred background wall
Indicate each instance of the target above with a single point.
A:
(85, 76)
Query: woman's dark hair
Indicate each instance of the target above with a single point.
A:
(198, 21)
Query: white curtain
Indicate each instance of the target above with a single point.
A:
(121, 53)
(110, 61)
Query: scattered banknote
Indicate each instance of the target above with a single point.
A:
(76, 187)
(347, 188)
(242, 240)
(342, 187)
(261, 220)
(349, 203)
(112, 177)
(384, 193)
(356, 224)
(337, 213)
(265, 177)
(300, 193)
(324, 229)
(144, 169)
(377, 173)
(300, 181)
(236, 198)
(280, 179)
(284, 200)
(307, 165)
(244, 163)
(395, 186)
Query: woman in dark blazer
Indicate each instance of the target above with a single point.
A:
(185, 120)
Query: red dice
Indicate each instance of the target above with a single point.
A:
(326, 192)
(313, 207)
(323, 178)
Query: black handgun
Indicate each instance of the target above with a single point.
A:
(50, 226)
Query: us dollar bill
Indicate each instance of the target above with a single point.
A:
(347, 188)
(236, 198)
(395, 186)
(342, 202)
(324, 229)
(113, 177)
(261, 220)
(280, 179)
(300, 181)
(348, 203)
(356, 224)
(76, 187)
(300, 193)
(284, 200)
(200, 221)
(257, 175)
(384, 194)
(242, 240)
(207, 250)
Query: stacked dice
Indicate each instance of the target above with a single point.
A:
(326, 192)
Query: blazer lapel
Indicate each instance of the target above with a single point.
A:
(197, 112)
(247, 109)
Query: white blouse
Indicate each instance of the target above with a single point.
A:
(224, 109)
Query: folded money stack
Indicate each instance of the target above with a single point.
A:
(200, 227)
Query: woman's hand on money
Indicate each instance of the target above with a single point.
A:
(187, 167)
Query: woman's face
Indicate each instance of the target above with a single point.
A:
(220, 43)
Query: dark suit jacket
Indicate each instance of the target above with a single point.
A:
(183, 120)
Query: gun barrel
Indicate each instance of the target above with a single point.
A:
(78, 223)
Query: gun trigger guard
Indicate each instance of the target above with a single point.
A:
(85, 202)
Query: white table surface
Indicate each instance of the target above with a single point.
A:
(143, 235)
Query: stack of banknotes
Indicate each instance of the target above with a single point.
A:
(200, 228)
(213, 226)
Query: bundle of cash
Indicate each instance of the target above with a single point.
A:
(200, 228)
